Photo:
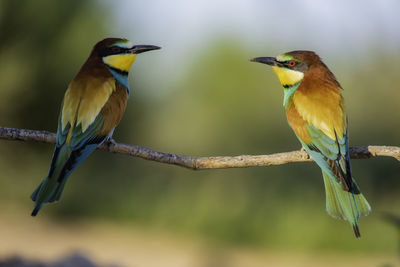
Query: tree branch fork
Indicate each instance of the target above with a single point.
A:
(201, 163)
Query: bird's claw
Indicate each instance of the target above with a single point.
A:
(111, 142)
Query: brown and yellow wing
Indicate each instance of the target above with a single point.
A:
(84, 100)
(319, 121)
(322, 108)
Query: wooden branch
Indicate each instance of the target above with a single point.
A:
(198, 163)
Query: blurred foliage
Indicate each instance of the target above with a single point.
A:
(221, 105)
(43, 45)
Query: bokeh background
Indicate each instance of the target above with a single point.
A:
(198, 96)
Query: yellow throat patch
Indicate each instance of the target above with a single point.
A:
(121, 62)
(287, 76)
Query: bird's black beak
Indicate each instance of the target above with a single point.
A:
(137, 49)
(265, 60)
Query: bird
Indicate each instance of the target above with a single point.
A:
(93, 106)
(315, 111)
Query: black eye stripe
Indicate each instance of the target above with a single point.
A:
(112, 50)
(298, 66)
(115, 48)
(286, 63)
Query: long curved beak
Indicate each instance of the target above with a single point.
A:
(137, 49)
(265, 60)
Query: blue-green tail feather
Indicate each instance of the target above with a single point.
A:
(344, 205)
(343, 198)
(64, 162)
(50, 190)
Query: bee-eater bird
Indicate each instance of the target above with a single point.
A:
(315, 111)
(93, 106)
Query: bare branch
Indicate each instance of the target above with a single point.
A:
(198, 163)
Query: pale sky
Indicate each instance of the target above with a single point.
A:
(335, 29)
(334, 24)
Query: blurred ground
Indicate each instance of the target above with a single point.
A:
(41, 239)
(73, 260)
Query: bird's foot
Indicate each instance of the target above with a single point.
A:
(307, 156)
(111, 142)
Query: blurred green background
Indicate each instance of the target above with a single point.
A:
(200, 96)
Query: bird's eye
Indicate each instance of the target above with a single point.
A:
(291, 63)
(115, 49)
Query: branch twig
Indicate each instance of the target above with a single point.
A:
(198, 163)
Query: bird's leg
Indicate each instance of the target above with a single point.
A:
(110, 142)
(302, 150)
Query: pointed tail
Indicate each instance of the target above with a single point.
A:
(64, 161)
(344, 205)
(35, 211)
(51, 188)
(47, 192)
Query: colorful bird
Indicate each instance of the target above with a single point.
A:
(315, 111)
(93, 106)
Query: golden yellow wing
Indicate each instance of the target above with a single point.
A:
(323, 108)
(84, 100)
